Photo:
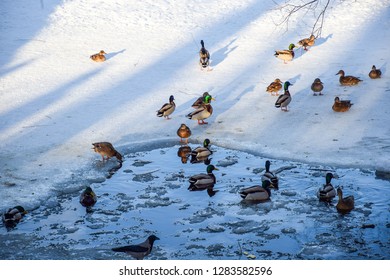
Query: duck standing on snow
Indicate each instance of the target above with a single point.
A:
(347, 80)
(88, 198)
(327, 191)
(375, 73)
(317, 86)
(341, 105)
(284, 99)
(257, 193)
(270, 176)
(307, 42)
(204, 55)
(275, 87)
(202, 112)
(139, 251)
(184, 132)
(98, 57)
(345, 204)
(286, 55)
(203, 181)
(13, 216)
(106, 150)
(167, 109)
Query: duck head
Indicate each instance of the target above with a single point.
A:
(286, 85)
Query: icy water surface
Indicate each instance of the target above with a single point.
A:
(149, 195)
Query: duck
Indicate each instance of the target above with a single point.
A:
(284, 99)
(106, 150)
(98, 57)
(257, 193)
(344, 204)
(202, 151)
(270, 176)
(275, 87)
(88, 198)
(200, 101)
(13, 216)
(184, 132)
(167, 109)
(202, 112)
(204, 56)
(307, 42)
(341, 105)
(327, 191)
(375, 73)
(286, 55)
(348, 80)
(184, 152)
(203, 181)
(317, 86)
(138, 251)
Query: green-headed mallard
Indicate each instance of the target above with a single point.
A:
(203, 181)
(201, 153)
(275, 87)
(341, 105)
(345, 204)
(184, 132)
(200, 101)
(317, 86)
(284, 99)
(184, 152)
(307, 42)
(98, 57)
(139, 251)
(375, 73)
(257, 193)
(13, 216)
(88, 198)
(106, 150)
(347, 80)
(167, 109)
(204, 56)
(270, 176)
(327, 191)
(286, 55)
(202, 112)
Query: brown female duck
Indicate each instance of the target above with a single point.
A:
(275, 87)
(98, 57)
(347, 80)
(375, 73)
(341, 105)
(307, 42)
(106, 150)
(345, 204)
(317, 86)
(184, 132)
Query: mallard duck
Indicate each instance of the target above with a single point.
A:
(106, 150)
(286, 55)
(139, 251)
(167, 108)
(346, 204)
(284, 99)
(341, 105)
(375, 73)
(184, 132)
(275, 87)
(327, 191)
(307, 42)
(204, 56)
(203, 181)
(98, 57)
(257, 193)
(347, 80)
(13, 216)
(184, 152)
(202, 112)
(317, 86)
(202, 151)
(88, 198)
(270, 176)
(200, 101)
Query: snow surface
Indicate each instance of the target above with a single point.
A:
(55, 101)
